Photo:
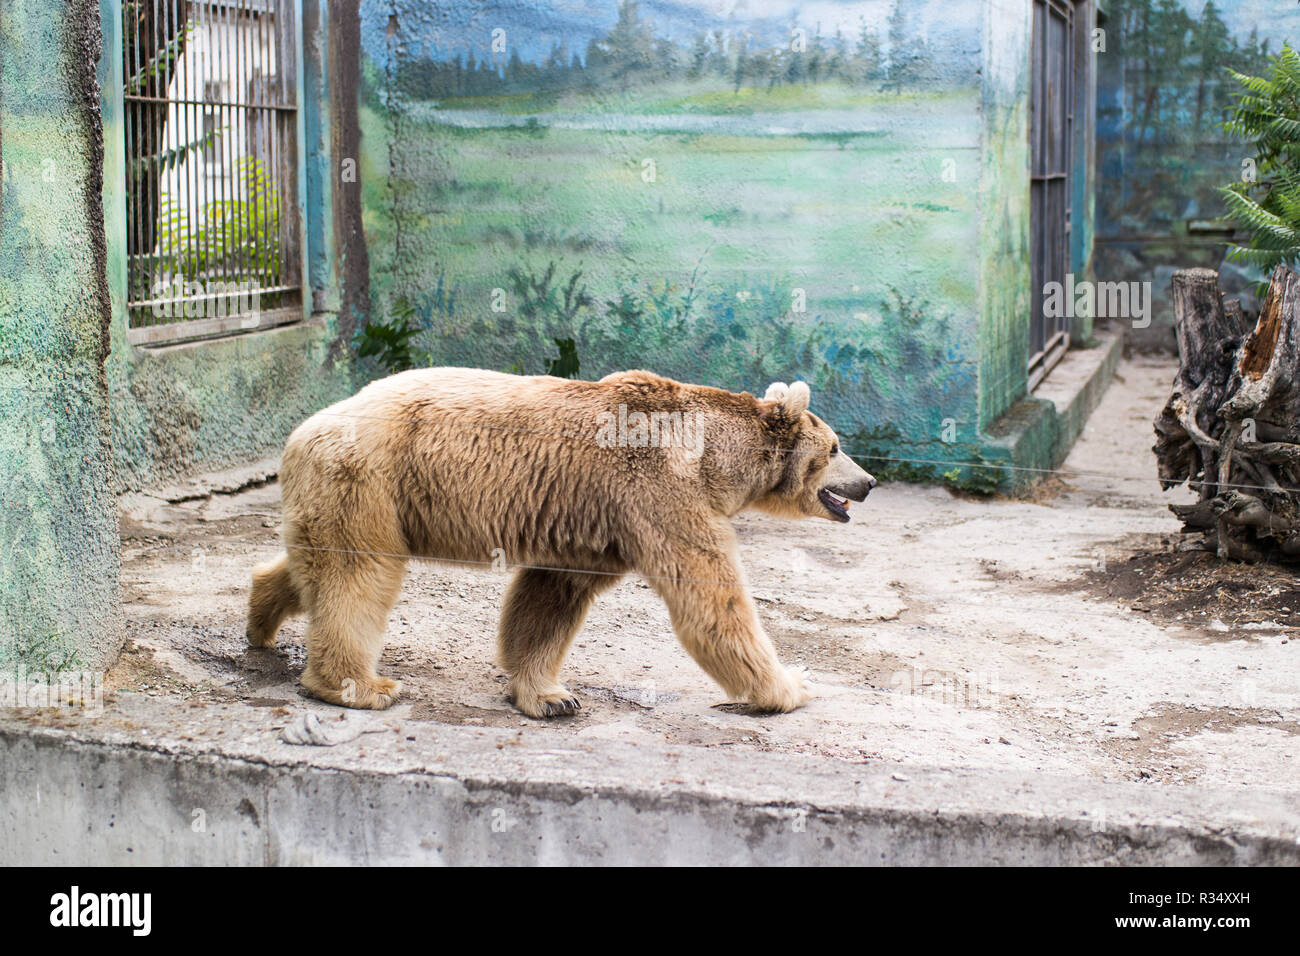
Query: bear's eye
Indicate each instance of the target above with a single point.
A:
(835, 449)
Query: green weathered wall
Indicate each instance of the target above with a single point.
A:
(732, 225)
(59, 560)
(204, 406)
(1003, 164)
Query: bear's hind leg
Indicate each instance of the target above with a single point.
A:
(543, 611)
(272, 598)
(715, 620)
(352, 598)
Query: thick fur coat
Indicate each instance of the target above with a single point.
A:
(573, 483)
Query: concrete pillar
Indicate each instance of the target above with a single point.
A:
(59, 544)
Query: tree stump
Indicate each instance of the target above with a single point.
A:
(1231, 426)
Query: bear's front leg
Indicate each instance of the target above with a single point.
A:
(352, 595)
(543, 611)
(716, 621)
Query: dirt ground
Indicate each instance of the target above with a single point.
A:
(1060, 634)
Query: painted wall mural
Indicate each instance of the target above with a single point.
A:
(1163, 89)
(725, 198)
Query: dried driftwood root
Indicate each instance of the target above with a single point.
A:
(1231, 427)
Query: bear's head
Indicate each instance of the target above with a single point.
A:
(814, 477)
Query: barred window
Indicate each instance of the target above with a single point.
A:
(213, 222)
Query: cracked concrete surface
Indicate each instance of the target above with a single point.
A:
(945, 636)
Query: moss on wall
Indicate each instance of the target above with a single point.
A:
(208, 405)
(1003, 161)
(58, 519)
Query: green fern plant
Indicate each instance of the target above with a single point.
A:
(228, 237)
(1267, 204)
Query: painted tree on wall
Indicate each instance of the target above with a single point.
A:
(633, 55)
(1165, 88)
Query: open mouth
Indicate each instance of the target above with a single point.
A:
(838, 507)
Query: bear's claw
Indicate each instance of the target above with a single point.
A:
(375, 693)
(561, 708)
(558, 704)
(259, 640)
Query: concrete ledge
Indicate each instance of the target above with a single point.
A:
(1075, 388)
(136, 787)
(1036, 433)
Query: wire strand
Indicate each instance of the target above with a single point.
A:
(964, 604)
(863, 454)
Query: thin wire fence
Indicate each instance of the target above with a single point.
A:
(499, 564)
(859, 454)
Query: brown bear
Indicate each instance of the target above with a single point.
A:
(575, 483)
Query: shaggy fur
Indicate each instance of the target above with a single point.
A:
(471, 466)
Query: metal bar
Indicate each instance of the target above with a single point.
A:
(184, 79)
(240, 187)
(261, 116)
(294, 83)
(221, 55)
(225, 107)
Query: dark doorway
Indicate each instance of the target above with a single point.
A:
(1051, 124)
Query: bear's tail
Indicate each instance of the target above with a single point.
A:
(272, 598)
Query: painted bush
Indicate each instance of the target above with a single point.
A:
(725, 201)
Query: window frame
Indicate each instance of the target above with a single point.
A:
(116, 183)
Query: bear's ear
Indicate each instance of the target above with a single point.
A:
(797, 399)
(794, 398)
(784, 405)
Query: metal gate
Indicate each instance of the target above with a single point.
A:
(213, 231)
(1050, 131)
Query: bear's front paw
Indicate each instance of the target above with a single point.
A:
(365, 693)
(790, 691)
(258, 636)
(559, 703)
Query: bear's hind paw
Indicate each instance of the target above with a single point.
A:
(559, 704)
(372, 693)
(791, 692)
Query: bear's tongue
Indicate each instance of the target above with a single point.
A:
(837, 506)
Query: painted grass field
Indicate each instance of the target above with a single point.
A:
(772, 244)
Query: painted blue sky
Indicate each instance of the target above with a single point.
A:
(445, 29)
(1277, 20)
